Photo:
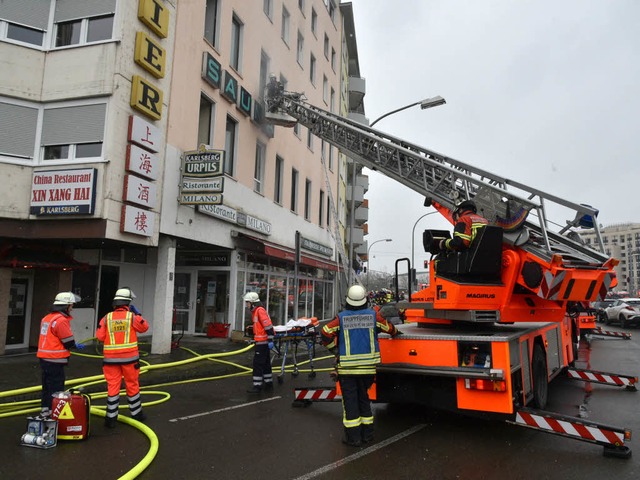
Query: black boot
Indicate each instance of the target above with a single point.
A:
(255, 389)
(268, 386)
(352, 437)
(110, 422)
(367, 433)
(140, 416)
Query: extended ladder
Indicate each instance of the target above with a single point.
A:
(503, 202)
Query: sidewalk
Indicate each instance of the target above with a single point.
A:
(21, 370)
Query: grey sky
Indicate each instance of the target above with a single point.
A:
(545, 92)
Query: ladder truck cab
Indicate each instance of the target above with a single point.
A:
(498, 321)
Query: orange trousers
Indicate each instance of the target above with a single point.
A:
(113, 374)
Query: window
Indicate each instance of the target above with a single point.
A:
(236, 43)
(312, 68)
(332, 11)
(294, 190)
(309, 140)
(296, 129)
(258, 171)
(328, 211)
(323, 150)
(70, 133)
(212, 22)
(331, 157)
(333, 59)
(83, 31)
(300, 54)
(205, 121)
(326, 46)
(284, 29)
(332, 101)
(267, 7)
(301, 5)
(264, 72)
(18, 126)
(24, 23)
(325, 89)
(321, 209)
(230, 146)
(314, 21)
(277, 191)
(307, 199)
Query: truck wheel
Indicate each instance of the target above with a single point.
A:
(540, 379)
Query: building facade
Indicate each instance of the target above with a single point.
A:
(136, 154)
(621, 241)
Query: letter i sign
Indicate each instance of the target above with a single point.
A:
(66, 413)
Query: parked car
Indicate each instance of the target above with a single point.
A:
(599, 307)
(625, 311)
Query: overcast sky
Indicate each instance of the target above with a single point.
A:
(544, 92)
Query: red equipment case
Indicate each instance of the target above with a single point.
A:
(71, 410)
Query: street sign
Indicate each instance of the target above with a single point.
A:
(203, 163)
(200, 199)
(206, 185)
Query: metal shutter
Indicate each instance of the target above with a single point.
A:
(81, 124)
(17, 129)
(74, 9)
(30, 14)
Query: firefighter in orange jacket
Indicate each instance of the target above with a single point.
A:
(118, 330)
(263, 339)
(467, 224)
(56, 338)
(353, 337)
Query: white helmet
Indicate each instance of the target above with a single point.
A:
(252, 297)
(124, 293)
(66, 298)
(356, 296)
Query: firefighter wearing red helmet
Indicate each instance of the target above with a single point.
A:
(467, 224)
(118, 330)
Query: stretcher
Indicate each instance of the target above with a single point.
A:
(288, 338)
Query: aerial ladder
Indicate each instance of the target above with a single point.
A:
(542, 267)
(510, 300)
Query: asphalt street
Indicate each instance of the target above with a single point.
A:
(214, 429)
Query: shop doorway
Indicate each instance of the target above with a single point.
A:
(18, 321)
(182, 301)
(212, 299)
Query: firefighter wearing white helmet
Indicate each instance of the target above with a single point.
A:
(56, 338)
(119, 331)
(263, 338)
(353, 337)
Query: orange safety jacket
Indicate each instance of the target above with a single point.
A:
(55, 331)
(262, 326)
(118, 330)
(465, 231)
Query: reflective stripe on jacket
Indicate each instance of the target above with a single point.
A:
(465, 231)
(358, 342)
(55, 330)
(262, 326)
(118, 330)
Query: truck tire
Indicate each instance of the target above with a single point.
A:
(540, 378)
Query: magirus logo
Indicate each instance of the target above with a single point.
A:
(481, 295)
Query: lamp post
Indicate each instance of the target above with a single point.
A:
(426, 103)
(413, 235)
(368, 262)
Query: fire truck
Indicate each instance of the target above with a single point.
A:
(497, 322)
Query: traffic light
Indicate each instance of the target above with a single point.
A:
(426, 264)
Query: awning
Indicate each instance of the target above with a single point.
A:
(32, 256)
(284, 253)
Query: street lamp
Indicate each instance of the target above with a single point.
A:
(413, 235)
(368, 262)
(426, 103)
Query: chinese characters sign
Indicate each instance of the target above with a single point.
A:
(138, 221)
(63, 192)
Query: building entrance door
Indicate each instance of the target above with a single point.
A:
(19, 312)
(182, 301)
(212, 299)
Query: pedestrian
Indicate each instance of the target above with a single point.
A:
(56, 338)
(119, 332)
(353, 337)
(263, 338)
(467, 224)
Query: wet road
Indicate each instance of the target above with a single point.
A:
(216, 430)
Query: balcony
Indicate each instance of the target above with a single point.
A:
(361, 214)
(355, 192)
(358, 117)
(358, 236)
(357, 86)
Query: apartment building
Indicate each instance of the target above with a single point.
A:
(135, 153)
(621, 241)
